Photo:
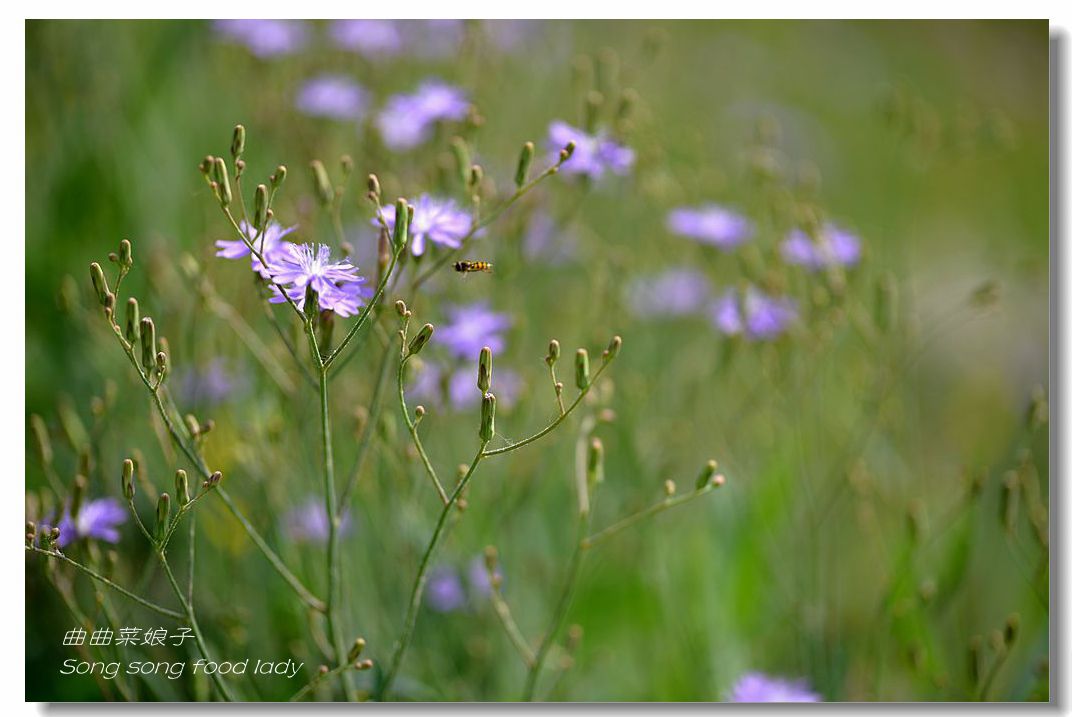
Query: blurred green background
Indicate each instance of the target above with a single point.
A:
(847, 548)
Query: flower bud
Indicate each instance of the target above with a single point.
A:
(669, 487)
(163, 515)
(566, 152)
(355, 650)
(223, 182)
(401, 233)
(422, 338)
(418, 414)
(476, 177)
(374, 185)
(595, 461)
(580, 365)
(487, 417)
(78, 495)
(126, 254)
(182, 487)
(128, 479)
(524, 162)
(346, 162)
(161, 363)
(212, 481)
(238, 141)
(706, 475)
(553, 352)
(207, 164)
(260, 208)
(322, 188)
(612, 349)
(131, 331)
(148, 343)
(400, 307)
(100, 284)
(483, 372)
(491, 558)
(278, 177)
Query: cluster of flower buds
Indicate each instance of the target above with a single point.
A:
(212, 481)
(710, 477)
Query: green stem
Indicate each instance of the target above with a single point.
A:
(368, 434)
(659, 507)
(364, 315)
(417, 593)
(413, 432)
(317, 680)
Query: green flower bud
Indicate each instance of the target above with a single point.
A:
(238, 141)
(524, 162)
(580, 365)
(553, 352)
(161, 363)
(325, 193)
(355, 650)
(100, 284)
(595, 461)
(212, 481)
(182, 487)
(491, 558)
(669, 488)
(374, 185)
(148, 343)
(126, 254)
(706, 475)
(223, 182)
(206, 165)
(476, 177)
(401, 233)
(420, 339)
(128, 479)
(462, 160)
(483, 372)
(163, 515)
(260, 208)
(131, 331)
(566, 152)
(487, 417)
(400, 309)
(612, 349)
(278, 177)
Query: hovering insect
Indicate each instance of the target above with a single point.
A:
(466, 267)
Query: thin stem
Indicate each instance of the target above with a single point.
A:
(635, 518)
(363, 316)
(315, 682)
(413, 432)
(368, 434)
(422, 574)
(118, 588)
(249, 337)
(191, 562)
(502, 610)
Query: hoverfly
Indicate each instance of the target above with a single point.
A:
(466, 267)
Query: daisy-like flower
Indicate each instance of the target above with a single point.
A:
(270, 245)
(373, 39)
(407, 120)
(440, 221)
(266, 38)
(469, 328)
(308, 266)
(757, 687)
(333, 96)
(594, 154)
(674, 292)
(445, 590)
(757, 316)
(97, 520)
(834, 247)
(308, 523)
(711, 224)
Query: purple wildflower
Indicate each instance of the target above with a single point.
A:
(445, 590)
(440, 221)
(369, 38)
(97, 519)
(333, 96)
(710, 224)
(266, 38)
(209, 385)
(469, 328)
(834, 247)
(757, 687)
(674, 292)
(545, 240)
(270, 245)
(304, 266)
(407, 120)
(308, 523)
(593, 155)
(759, 317)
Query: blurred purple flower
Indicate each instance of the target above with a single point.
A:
(674, 292)
(308, 523)
(471, 327)
(593, 155)
(209, 385)
(511, 35)
(333, 96)
(370, 38)
(757, 687)
(407, 120)
(96, 520)
(336, 283)
(445, 590)
(271, 245)
(759, 317)
(440, 221)
(545, 240)
(265, 38)
(479, 582)
(710, 224)
(434, 39)
(834, 247)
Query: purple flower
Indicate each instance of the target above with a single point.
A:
(834, 247)
(97, 519)
(593, 155)
(458, 389)
(445, 590)
(270, 245)
(469, 328)
(545, 240)
(710, 224)
(209, 385)
(440, 221)
(674, 292)
(479, 582)
(333, 96)
(308, 523)
(265, 38)
(407, 120)
(759, 317)
(303, 266)
(370, 38)
(757, 687)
